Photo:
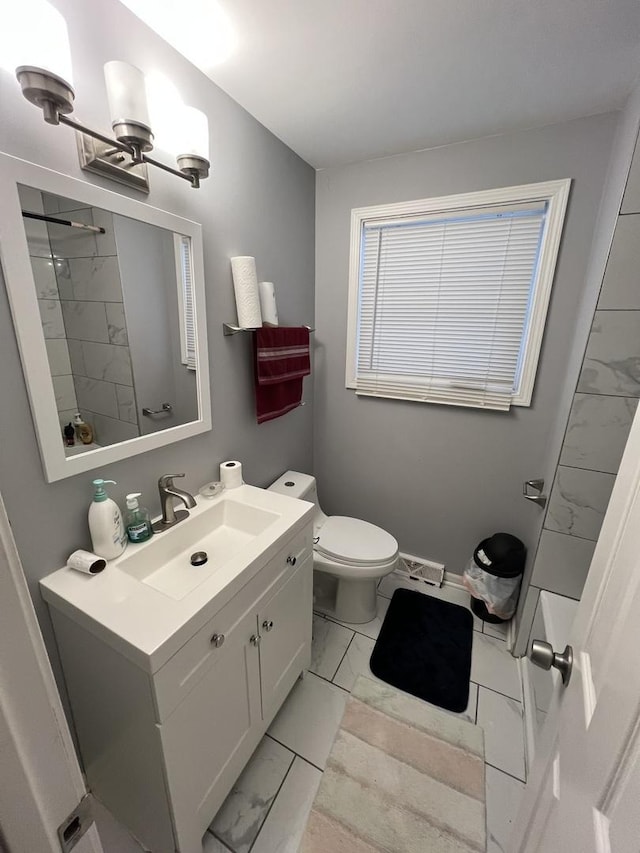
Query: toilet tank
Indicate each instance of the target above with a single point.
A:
(303, 487)
(296, 485)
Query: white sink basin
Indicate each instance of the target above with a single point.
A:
(221, 530)
(147, 603)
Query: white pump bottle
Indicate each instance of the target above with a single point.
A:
(108, 535)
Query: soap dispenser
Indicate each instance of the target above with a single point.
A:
(108, 536)
(137, 520)
(83, 431)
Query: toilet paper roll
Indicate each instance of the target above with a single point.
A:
(245, 285)
(231, 474)
(85, 561)
(268, 302)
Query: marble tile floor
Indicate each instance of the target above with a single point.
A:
(267, 810)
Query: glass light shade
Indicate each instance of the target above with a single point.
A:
(34, 34)
(126, 93)
(194, 133)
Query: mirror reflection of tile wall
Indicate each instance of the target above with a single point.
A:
(79, 291)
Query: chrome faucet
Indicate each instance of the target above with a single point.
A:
(168, 492)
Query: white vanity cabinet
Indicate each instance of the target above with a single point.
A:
(162, 749)
(283, 627)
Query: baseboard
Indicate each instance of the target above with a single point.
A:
(451, 579)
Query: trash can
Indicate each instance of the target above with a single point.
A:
(493, 577)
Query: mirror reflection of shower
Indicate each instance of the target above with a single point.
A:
(115, 299)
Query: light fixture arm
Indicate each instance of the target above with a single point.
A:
(132, 150)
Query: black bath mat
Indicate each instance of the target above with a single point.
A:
(424, 648)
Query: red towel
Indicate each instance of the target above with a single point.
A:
(281, 360)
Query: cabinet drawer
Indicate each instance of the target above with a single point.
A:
(183, 671)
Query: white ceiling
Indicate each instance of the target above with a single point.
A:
(341, 81)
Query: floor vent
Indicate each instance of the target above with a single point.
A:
(421, 570)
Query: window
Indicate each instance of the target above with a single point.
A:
(448, 296)
(182, 246)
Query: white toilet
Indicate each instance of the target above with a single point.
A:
(349, 555)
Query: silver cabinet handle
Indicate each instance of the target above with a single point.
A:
(536, 486)
(217, 640)
(291, 560)
(543, 655)
(267, 625)
(254, 639)
(166, 409)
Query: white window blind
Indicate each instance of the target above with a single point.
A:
(185, 301)
(443, 306)
(448, 296)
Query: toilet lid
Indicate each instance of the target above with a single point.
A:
(355, 541)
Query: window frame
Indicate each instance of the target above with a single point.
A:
(186, 314)
(554, 193)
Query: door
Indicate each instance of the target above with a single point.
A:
(285, 630)
(584, 790)
(40, 779)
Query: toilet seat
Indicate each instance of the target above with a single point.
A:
(353, 542)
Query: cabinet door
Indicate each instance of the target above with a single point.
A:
(285, 629)
(210, 736)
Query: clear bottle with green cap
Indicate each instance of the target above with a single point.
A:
(137, 520)
(108, 535)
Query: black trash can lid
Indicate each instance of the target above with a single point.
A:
(502, 555)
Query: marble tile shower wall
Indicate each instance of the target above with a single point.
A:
(44, 276)
(600, 419)
(86, 329)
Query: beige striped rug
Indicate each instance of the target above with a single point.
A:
(402, 777)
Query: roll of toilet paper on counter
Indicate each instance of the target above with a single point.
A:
(85, 561)
(231, 474)
(245, 285)
(268, 302)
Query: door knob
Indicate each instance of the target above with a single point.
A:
(267, 624)
(254, 639)
(217, 640)
(291, 560)
(543, 655)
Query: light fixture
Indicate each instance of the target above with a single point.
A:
(193, 149)
(128, 105)
(44, 66)
(44, 73)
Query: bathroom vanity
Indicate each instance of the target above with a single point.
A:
(175, 671)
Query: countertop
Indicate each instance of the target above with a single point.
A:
(148, 626)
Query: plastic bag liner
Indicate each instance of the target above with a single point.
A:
(494, 572)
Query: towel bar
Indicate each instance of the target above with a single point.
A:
(167, 408)
(232, 329)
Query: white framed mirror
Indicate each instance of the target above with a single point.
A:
(108, 304)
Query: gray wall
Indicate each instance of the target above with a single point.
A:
(441, 478)
(259, 201)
